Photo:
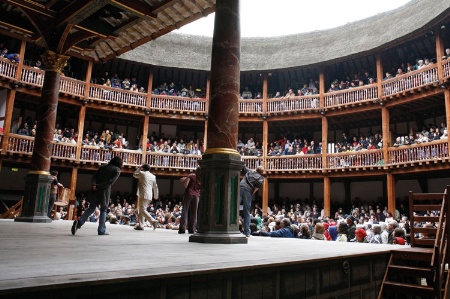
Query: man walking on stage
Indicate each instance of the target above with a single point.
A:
(100, 193)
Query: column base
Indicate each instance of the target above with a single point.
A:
(35, 199)
(218, 238)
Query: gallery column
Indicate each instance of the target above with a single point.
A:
(221, 163)
(38, 179)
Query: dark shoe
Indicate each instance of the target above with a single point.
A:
(154, 223)
(191, 232)
(181, 231)
(138, 228)
(104, 234)
(74, 227)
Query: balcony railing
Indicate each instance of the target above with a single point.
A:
(294, 163)
(172, 161)
(117, 95)
(351, 96)
(252, 162)
(429, 151)
(32, 76)
(8, 69)
(412, 80)
(403, 155)
(358, 159)
(293, 104)
(446, 68)
(250, 106)
(72, 86)
(182, 104)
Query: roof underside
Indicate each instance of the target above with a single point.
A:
(97, 30)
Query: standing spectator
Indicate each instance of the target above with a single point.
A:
(101, 183)
(53, 192)
(147, 189)
(192, 183)
(250, 184)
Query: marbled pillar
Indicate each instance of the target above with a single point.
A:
(221, 163)
(38, 179)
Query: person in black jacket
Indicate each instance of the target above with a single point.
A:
(100, 193)
(250, 184)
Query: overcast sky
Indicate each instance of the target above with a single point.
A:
(283, 17)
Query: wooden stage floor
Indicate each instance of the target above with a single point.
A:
(39, 255)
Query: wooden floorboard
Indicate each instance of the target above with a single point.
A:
(33, 254)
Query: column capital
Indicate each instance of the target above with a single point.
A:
(53, 61)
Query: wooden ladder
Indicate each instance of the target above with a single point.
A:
(420, 271)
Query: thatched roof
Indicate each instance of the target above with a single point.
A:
(270, 53)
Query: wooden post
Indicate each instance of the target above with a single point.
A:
(205, 136)
(81, 119)
(391, 192)
(379, 66)
(265, 189)
(439, 53)
(326, 196)
(71, 208)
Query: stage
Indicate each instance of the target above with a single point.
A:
(45, 260)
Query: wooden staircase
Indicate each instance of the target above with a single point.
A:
(420, 271)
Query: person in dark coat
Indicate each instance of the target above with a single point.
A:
(250, 184)
(100, 193)
(285, 231)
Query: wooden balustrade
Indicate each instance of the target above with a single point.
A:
(418, 152)
(412, 80)
(64, 150)
(8, 69)
(356, 159)
(446, 68)
(19, 144)
(32, 76)
(294, 162)
(117, 95)
(172, 161)
(351, 96)
(293, 104)
(72, 86)
(252, 162)
(162, 102)
(250, 106)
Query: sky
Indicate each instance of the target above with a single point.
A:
(264, 18)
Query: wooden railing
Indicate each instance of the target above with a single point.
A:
(358, 159)
(412, 80)
(351, 96)
(403, 155)
(250, 106)
(418, 152)
(172, 161)
(295, 162)
(446, 68)
(161, 102)
(72, 86)
(293, 104)
(8, 69)
(252, 162)
(32, 76)
(117, 95)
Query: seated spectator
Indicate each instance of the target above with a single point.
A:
(13, 57)
(318, 234)
(361, 236)
(285, 231)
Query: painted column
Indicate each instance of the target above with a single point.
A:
(38, 179)
(221, 163)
